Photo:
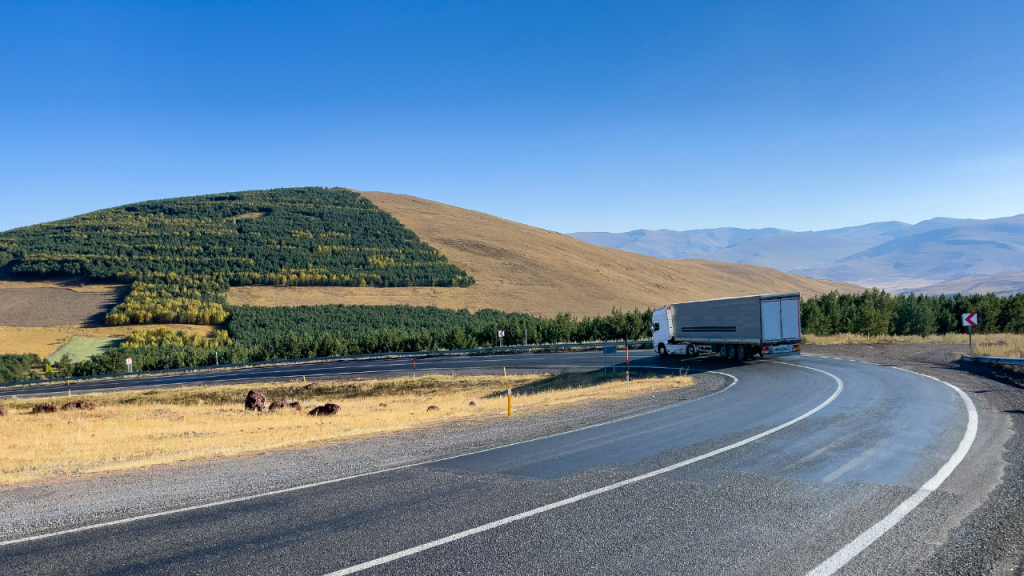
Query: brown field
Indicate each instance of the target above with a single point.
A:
(44, 341)
(33, 305)
(137, 429)
(520, 268)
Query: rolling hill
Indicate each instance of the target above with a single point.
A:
(519, 268)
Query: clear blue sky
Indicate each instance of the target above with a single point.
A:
(571, 116)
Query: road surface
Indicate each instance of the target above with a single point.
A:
(801, 464)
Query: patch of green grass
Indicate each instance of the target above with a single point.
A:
(80, 348)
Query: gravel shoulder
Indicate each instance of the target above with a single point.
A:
(986, 533)
(56, 505)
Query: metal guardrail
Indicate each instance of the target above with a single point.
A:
(323, 359)
(993, 360)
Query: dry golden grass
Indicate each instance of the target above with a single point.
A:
(520, 268)
(984, 344)
(131, 430)
(44, 341)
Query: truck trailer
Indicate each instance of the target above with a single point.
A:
(735, 328)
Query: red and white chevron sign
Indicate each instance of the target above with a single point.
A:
(970, 319)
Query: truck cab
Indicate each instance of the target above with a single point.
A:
(662, 332)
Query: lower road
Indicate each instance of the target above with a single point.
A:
(368, 368)
(801, 465)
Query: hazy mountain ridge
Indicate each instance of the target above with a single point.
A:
(891, 255)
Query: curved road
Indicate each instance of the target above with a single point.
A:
(798, 461)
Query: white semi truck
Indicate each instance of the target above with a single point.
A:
(736, 328)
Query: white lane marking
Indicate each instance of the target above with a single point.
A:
(585, 495)
(851, 550)
(353, 477)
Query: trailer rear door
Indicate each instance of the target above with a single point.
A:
(771, 325)
(791, 319)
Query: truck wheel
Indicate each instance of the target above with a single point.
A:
(661, 350)
(741, 353)
(730, 352)
(691, 350)
(723, 351)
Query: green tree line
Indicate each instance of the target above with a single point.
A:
(258, 334)
(877, 313)
(18, 367)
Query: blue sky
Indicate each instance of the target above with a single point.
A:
(570, 116)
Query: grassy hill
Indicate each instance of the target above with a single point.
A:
(520, 268)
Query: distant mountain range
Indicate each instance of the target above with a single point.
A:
(988, 255)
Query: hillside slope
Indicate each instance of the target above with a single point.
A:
(519, 268)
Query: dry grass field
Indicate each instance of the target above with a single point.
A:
(520, 268)
(44, 341)
(129, 430)
(1006, 345)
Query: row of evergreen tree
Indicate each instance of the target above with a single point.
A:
(261, 334)
(18, 367)
(877, 313)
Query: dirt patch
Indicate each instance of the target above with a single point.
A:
(520, 268)
(891, 353)
(39, 306)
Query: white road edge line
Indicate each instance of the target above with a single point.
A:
(354, 476)
(590, 494)
(851, 550)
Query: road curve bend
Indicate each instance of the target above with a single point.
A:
(779, 473)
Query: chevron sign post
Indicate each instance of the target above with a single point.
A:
(970, 320)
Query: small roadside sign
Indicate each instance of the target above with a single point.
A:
(501, 333)
(611, 350)
(128, 361)
(970, 320)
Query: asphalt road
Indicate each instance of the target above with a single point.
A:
(797, 461)
(369, 368)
